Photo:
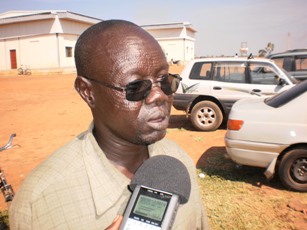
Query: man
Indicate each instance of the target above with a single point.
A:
(123, 77)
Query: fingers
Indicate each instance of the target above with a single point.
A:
(116, 223)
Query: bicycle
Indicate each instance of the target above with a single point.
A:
(6, 189)
(24, 71)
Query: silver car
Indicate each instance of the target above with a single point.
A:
(272, 133)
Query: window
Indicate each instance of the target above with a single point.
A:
(201, 71)
(263, 74)
(279, 62)
(68, 51)
(233, 72)
(301, 63)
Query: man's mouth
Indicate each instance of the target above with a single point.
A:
(159, 123)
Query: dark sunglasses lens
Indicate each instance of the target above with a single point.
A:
(138, 90)
(169, 84)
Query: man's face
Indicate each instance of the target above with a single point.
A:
(140, 122)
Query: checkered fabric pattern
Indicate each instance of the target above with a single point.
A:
(78, 188)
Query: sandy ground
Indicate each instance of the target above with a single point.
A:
(45, 112)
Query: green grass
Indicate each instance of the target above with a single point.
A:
(234, 199)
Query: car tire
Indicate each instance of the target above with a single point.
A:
(206, 116)
(293, 169)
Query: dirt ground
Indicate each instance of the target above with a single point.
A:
(45, 112)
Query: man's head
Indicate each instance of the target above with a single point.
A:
(109, 56)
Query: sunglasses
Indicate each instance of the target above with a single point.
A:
(139, 89)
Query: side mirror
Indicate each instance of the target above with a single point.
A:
(280, 81)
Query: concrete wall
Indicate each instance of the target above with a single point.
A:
(38, 52)
(177, 43)
(40, 44)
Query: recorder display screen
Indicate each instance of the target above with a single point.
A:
(150, 207)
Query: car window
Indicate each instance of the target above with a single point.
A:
(287, 63)
(201, 71)
(301, 63)
(279, 62)
(262, 74)
(232, 72)
(292, 63)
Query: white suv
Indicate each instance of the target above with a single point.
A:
(210, 86)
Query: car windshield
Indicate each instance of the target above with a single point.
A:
(286, 96)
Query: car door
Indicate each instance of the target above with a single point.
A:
(264, 79)
(229, 82)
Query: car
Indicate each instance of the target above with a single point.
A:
(293, 61)
(210, 86)
(271, 133)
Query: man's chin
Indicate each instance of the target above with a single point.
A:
(152, 137)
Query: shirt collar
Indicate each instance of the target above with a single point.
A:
(105, 180)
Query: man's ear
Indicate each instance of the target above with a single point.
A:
(85, 90)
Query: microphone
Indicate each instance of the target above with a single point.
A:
(159, 185)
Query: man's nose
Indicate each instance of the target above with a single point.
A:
(156, 94)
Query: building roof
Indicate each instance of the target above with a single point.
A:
(22, 16)
(186, 25)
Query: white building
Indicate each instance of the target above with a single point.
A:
(176, 39)
(40, 39)
(46, 39)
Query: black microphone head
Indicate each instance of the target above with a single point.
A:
(164, 173)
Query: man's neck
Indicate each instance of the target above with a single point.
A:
(126, 157)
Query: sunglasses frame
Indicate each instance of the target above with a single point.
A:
(126, 88)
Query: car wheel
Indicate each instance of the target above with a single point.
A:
(293, 170)
(206, 116)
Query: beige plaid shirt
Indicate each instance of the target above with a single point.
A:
(78, 188)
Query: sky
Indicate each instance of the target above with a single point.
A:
(222, 25)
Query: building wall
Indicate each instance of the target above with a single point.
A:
(37, 44)
(73, 27)
(189, 47)
(176, 43)
(6, 46)
(178, 49)
(67, 41)
(164, 33)
(27, 28)
(171, 49)
(37, 52)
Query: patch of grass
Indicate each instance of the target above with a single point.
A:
(234, 199)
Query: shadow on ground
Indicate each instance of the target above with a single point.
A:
(180, 122)
(214, 163)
